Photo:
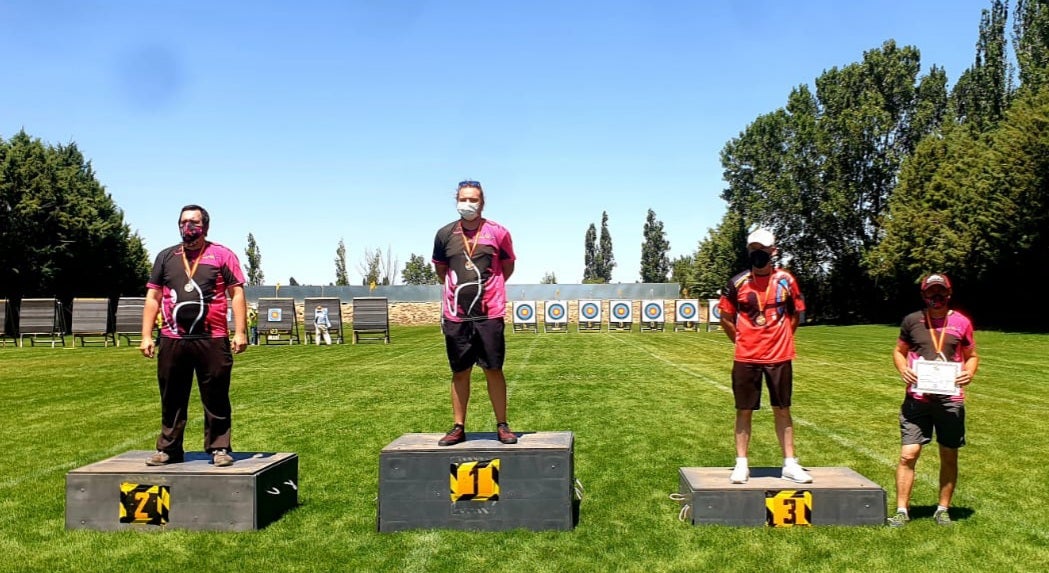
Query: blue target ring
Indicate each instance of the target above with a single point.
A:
(556, 311)
(524, 311)
(652, 311)
(687, 311)
(715, 311)
(590, 311)
(620, 310)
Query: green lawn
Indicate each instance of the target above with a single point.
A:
(640, 405)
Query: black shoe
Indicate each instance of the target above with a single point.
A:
(505, 435)
(454, 436)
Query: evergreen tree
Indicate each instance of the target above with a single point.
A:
(417, 271)
(341, 278)
(590, 255)
(254, 266)
(605, 260)
(61, 234)
(655, 265)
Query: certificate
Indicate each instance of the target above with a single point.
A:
(937, 377)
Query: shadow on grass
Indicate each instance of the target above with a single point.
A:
(957, 513)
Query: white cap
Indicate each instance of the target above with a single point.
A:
(761, 236)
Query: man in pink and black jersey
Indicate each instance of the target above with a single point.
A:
(187, 289)
(760, 310)
(935, 333)
(474, 257)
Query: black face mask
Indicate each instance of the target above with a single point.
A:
(759, 259)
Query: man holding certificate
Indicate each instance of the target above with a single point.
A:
(936, 358)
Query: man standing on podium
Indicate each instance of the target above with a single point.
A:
(474, 257)
(188, 287)
(760, 310)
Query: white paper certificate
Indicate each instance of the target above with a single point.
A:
(937, 377)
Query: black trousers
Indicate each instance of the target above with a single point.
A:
(177, 360)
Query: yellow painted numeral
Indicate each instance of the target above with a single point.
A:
(475, 481)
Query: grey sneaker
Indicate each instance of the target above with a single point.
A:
(941, 517)
(221, 458)
(898, 520)
(162, 459)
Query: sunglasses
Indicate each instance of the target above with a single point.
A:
(468, 183)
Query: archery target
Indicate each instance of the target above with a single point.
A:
(715, 312)
(621, 311)
(652, 310)
(275, 315)
(687, 310)
(590, 310)
(524, 311)
(556, 311)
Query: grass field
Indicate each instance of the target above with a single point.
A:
(640, 405)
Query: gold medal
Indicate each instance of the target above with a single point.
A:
(760, 320)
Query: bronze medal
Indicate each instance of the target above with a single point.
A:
(469, 265)
(760, 320)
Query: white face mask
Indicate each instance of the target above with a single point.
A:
(468, 210)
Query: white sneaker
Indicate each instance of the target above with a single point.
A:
(796, 474)
(740, 474)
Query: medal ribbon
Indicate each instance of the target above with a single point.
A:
(936, 344)
(185, 262)
(468, 248)
(763, 299)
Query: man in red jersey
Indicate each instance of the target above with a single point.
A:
(188, 288)
(940, 335)
(474, 257)
(760, 310)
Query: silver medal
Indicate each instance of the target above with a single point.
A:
(188, 287)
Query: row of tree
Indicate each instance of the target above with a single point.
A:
(881, 175)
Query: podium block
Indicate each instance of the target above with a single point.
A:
(123, 492)
(480, 484)
(836, 496)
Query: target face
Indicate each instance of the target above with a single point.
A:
(590, 310)
(620, 310)
(653, 310)
(686, 310)
(524, 312)
(275, 315)
(715, 312)
(556, 311)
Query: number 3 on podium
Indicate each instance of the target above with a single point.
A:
(788, 508)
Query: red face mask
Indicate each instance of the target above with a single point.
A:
(191, 232)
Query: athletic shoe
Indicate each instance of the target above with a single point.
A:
(505, 435)
(221, 458)
(795, 473)
(454, 436)
(162, 459)
(898, 520)
(740, 474)
(941, 517)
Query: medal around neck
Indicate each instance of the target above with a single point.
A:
(189, 286)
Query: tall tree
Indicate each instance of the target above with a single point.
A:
(980, 96)
(590, 255)
(292, 281)
(549, 279)
(341, 278)
(377, 269)
(61, 234)
(606, 261)
(655, 265)
(1031, 43)
(254, 266)
(418, 271)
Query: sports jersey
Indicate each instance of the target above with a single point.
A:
(474, 286)
(200, 311)
(763, 306)
(956, 330)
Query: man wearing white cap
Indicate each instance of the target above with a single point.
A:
(760, 310)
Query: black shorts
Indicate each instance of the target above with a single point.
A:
(746, 384)
(472, 342)
(919, 418)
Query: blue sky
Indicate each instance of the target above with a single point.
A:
(306, 122)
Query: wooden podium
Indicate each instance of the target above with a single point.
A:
(122, 492)
(836, 496)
